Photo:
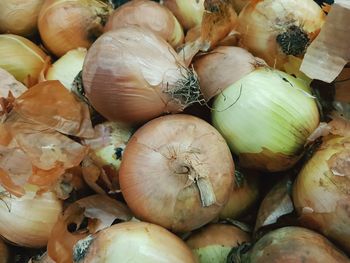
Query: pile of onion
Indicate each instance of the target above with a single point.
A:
(177, 172)
(132, 75)
(321, 191)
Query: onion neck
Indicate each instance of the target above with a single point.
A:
(293, 41)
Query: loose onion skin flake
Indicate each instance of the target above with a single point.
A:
(177, 171)
(131, 75)
(133, 242)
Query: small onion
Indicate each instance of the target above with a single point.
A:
(222, 67)
(294, 245)
(213, 243)
(321, 191)
(131, 75)
(188, 12)
(22, 58)
(177, 171)
(19, 17)
(133, 242)
(150, 15)
(4, 252)
(66, 68)
(27, 221)
(266, 118)
(68, 24)
(276, 29)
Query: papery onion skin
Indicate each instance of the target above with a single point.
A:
(21, 57)
(321, 196)
(68, 24)
(188, 12)
(222, 67)
(266, 118)
(4, 252)
(177, 171)
(133, 242)
(27, 221)
(295, 245)
(212, 243)
(274, 29)
(150, 15)
(19, 17)
(66, 68)
(131, 75)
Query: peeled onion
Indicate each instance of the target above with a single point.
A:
(68, 24)
(213, 243)
(133, 242)
(188, 12)
(177, 171)
(150, 15)
(321, 191)
(19, 17)
(276, 29)
(294, 245)
(27, 221)
(131, 75)
(266, 118)
(22, 58)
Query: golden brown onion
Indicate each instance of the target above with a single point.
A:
(188, 12)
(69, 24)
(22, 58)
(177, 171)
(133, 242)
(321, 191)
(276, 29)
(150, 15)
(131, 75)
(27, 221)
(212, 243)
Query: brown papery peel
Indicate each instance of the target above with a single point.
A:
(330, 51)
(101, 212)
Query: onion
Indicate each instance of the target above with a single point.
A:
(213, 243)
(131, 75)
(68, 24)
(177, 171)
(150, 15)
(276, 29)
(188, 12)
(22, 58)
(244, 194)
(66, 68)
(222, 67)
(4, 252)
(133, 242)
(266, 118)
(19, 17)
(239, 4)
(27, 221)
(294, 245)
(321, 191)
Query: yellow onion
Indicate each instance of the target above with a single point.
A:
(188, 12)
(132, 242)
(294, 245)
(321, 191)
(276, 29)
(177, 172)
(266, 118)
(68, 24)
(150, 15)
(4, 252)
(19, 17)
(22, 58)
(213, 243)
(222, 67)
(132, 75)
(244, 193)
(27, 221)
(67, 67)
